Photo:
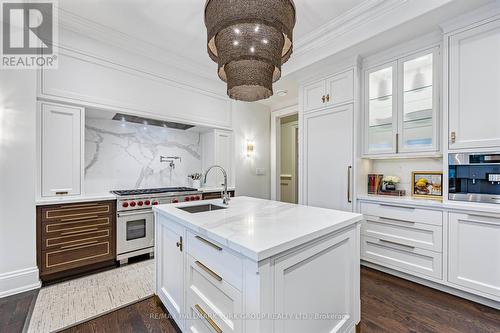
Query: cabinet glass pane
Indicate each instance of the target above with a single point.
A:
(380, 111)
(417, 132)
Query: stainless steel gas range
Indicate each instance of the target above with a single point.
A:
(134, 218)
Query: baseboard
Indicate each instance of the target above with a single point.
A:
(441, 287)
(19, 281)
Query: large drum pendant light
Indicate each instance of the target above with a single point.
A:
(249, 40)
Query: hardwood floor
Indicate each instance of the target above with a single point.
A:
(14, 310)
(391, 304)
(388, 305)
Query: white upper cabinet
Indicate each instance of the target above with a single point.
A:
(401, 105)
(61, 149)
(474, 87)
(335, 90)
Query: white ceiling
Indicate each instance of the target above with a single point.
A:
(177, 25)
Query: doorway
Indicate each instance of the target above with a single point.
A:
(289, 144)
(285, 155)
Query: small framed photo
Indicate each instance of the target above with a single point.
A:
(427, 184)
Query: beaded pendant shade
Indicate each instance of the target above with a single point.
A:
(249, 40)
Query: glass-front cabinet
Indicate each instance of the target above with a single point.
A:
(401, 106)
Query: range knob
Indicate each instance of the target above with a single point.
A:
(175, 200)
(155, 203)
(186, 199)
(140, 203)
(147, 202)
(193, 198)
(197, 197)
(132, 203)
(125, 204)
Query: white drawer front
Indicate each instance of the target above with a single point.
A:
(401, 257)
(419, 235)
(212, 255)
(413, 214)
(213, 297)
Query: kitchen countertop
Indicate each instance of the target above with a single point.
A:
(73, 199)
(451, 205)
(258, 228)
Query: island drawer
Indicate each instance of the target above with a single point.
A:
(211, 254)
(209, 295)
(416, 234)
(401, 257)
(401, 213)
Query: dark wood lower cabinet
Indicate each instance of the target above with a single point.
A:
(215, 195)
(74, 238)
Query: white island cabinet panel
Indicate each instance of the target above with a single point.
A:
(61, 147)
(90, 81)
(474, 253)
(257, 259)
(170, 275)
(474, 99)
(332, 272)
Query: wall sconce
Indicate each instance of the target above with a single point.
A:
(250, 148)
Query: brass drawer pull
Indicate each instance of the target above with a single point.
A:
(62, 192)
(77, 245)
(218, 248)
(78, 231)
(208, 319)
(79, 218)
(209, 271)
(395, 243)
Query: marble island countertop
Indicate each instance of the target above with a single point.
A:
(259, 228)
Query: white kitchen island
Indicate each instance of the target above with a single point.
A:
(258, 266)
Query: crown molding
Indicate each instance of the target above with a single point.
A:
(363, 22)
(488, 12)
(107, 35)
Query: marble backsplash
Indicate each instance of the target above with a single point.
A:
(121, 155)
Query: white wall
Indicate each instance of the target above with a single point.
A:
(251, 121)
(18, 270)
(403, 168)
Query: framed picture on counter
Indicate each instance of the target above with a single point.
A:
(427, 184)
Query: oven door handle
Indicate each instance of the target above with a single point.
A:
(141, 212)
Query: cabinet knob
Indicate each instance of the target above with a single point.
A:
(323, 98)
(328, 98)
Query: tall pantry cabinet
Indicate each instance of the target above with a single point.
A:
(326, 126)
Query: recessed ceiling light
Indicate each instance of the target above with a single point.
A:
(282, 93)
(252, 49)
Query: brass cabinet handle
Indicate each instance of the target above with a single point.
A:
(179, 243)
(218, 248)
(208, 319)
(78, 231)
(395, 220)
(62, 192)
(328, 98)
(453, 137)
(83, 219)
(77, 245)
(209, 271)
(323, 98)
(396, 243)
(349, 169)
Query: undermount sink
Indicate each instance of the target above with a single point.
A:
(201, 208)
